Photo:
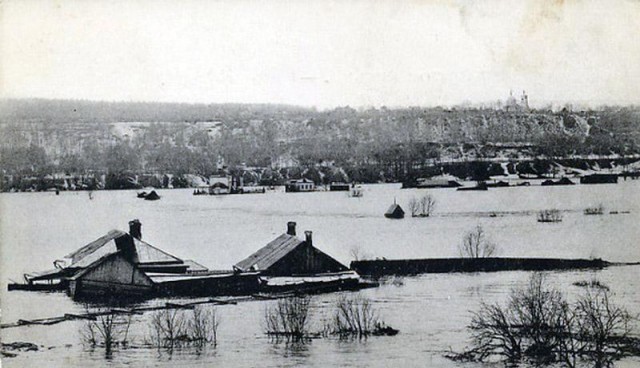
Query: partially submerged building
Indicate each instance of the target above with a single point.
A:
(394, 211)
(288, 260)
(121, 264)
(288, 255)
(116, 263)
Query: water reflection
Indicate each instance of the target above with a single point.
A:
(298, 348)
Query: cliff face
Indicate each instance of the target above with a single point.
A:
(41, 136)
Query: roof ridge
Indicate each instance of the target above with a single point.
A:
(111, 234)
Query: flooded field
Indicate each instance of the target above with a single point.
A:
(431, 311)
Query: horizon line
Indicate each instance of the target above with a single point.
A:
(546, 105)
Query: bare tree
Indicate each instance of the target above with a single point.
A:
(540, 309)
(475, 244)
(289, 317)
(422, 207)
(539, 324)
(427, 205)
(414, 207)
(171, 328)
(493, 333)
(354, 316)
(167, 327)
(355, 252)
(358, 253)
(107, 330)
(202, 327)
(602, 326)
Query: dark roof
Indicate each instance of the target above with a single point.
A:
(106, 245)
(395, 208)
(152, 196)
(271, 253)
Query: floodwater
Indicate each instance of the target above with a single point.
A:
(431, 311)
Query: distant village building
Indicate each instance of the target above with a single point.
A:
(226, 184)
(220, 184)
(513, 105)
(300, 185)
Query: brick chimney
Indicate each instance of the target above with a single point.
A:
(135, 229)
(127, 248)
(308, 239)
(291, 228)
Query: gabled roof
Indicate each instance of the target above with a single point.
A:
(106, 245)
(395, 208)
(271, 253)
(94, 245)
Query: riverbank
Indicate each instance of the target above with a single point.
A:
(486, 169)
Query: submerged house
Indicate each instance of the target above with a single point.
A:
(394, 211)
(112, 274)
(118, 263)
(288, 260)
(288, 255)
(121, 264)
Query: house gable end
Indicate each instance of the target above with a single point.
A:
(114, 269)
(305, 260)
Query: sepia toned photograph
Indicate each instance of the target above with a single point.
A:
(242, 183)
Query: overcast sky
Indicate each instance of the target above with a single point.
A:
(322, 53)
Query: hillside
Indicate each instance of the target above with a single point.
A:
(46, 136)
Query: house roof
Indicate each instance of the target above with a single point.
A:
(194, 266)
(106, 245)
(394, 208)
(271, 253)
(300, 181)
